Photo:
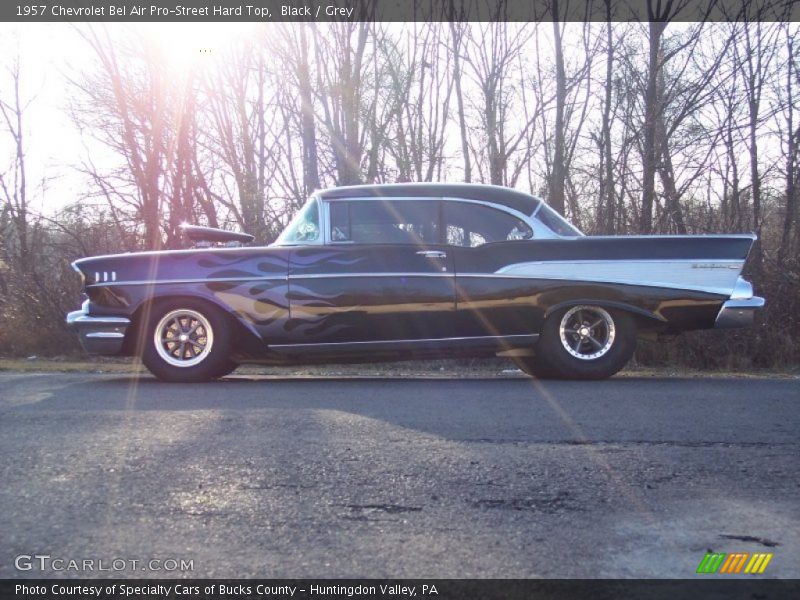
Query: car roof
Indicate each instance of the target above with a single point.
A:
(524, 203)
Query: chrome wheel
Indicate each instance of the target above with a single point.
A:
(587, 332)
(183, 338)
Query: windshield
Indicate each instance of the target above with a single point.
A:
(555, 222)
(303, 228)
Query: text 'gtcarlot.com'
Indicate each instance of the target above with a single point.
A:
(46, 562)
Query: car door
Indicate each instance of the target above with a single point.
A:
(382, 276)
(482, 239)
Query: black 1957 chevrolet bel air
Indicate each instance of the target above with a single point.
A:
(387, 272)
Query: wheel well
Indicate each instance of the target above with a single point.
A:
(644, 319)
(245, 339)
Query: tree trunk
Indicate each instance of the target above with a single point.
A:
(664, 161)
(753, 86)
(493, 150)
(608, 221)
(558, 176)
(308, 131)
(792, 135)
(651, 111)
(462, 123)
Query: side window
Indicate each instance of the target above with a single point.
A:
(385, 221)
(340, 221)
(472, 225)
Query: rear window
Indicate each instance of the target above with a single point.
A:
(555, 222)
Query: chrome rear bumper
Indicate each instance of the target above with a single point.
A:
(740, 310)
(98, 334)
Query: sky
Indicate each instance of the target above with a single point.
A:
(54, 53)
(51, 54)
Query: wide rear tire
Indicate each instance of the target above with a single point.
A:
(582, 342)
(187, 341)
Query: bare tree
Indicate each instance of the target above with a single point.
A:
(790, 134)
(755, 62)
(293, 49)
(659, 15)
(491, 53)
(14, 181)
(726, 107)
(135, 107)
(240, 132)
(31, 289)
(558, 175)
(420, 83)
(457, 36)
(340, 55)
(607, 217)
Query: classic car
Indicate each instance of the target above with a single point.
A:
(388, 272)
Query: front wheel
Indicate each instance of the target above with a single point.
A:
(187, 341)
(583, 342)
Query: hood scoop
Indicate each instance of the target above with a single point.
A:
(206, 236)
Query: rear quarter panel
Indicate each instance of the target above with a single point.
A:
(673, 282)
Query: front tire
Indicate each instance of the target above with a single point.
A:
(582, 342)
(187, 341)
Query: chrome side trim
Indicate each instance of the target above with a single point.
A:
(106, 335)
(709, 276)
(667, 236)
(529, 270)
(724, 263)
(181, 281)
(424, 343)
(158, 253)
(80, 319)
(347, 275)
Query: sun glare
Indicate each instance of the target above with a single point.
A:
(191, 44)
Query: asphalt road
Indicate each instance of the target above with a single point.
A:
(408, 478)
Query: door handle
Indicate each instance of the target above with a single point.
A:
(432, 253)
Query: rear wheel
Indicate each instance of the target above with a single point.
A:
(582, 342)
(187, 341)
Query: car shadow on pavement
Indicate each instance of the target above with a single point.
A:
(507, 409)
(445, 461)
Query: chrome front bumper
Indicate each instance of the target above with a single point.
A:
(741, 309)
(98, 334)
